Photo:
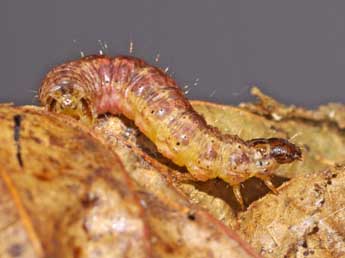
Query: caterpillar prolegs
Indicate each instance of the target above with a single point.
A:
(97, 84)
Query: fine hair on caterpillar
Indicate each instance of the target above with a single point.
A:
(99, 84)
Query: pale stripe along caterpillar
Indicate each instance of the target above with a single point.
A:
(145, 94)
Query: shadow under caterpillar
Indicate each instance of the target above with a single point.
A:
(98, 84)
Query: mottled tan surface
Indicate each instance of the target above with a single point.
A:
(305, 220)
(63, 194)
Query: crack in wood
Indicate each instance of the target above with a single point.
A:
(17, 126)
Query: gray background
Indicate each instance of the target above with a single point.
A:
(295, 50)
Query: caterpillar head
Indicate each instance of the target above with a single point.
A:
(284, 151)
(68, 98)
(280, 150)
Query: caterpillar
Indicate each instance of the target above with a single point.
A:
(99, 84)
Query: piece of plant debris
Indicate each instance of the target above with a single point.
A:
(269, 107)
(67, 195)
(306, 219)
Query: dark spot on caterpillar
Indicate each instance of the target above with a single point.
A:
(15, 250)
(314, 230)
(89, 200)
(304, 244)
(178, 143)
(317, 188)
(191, 216)
(17, 126)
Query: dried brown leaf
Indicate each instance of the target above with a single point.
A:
(63, 194)
(306, 219)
